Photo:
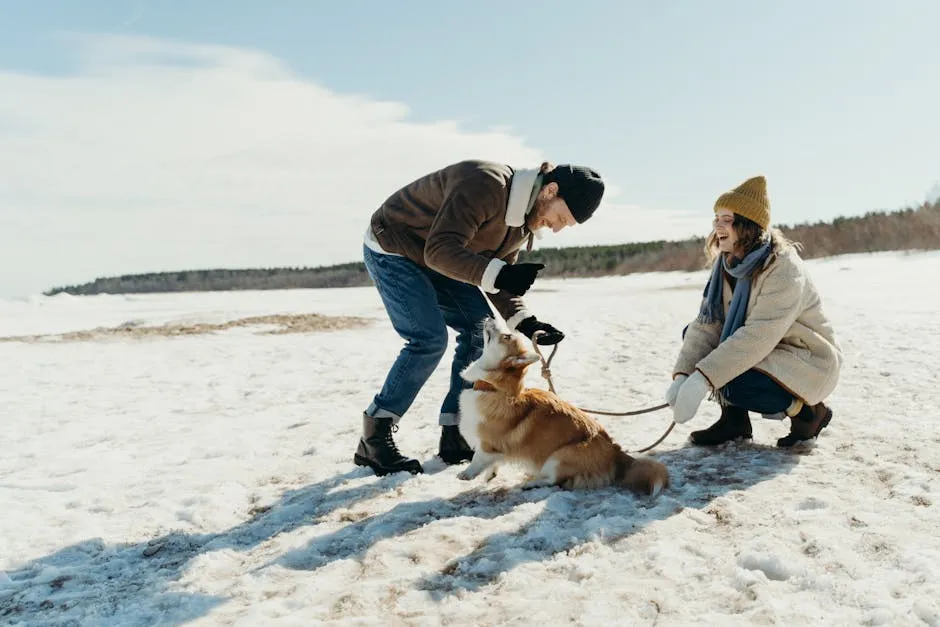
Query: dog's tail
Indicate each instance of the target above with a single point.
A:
(642, 475)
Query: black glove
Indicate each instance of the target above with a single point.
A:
(530, 325)
(517, 278)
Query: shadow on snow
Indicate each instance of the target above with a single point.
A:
(133, 583)
(567, 520)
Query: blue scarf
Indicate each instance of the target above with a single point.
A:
(712, 309)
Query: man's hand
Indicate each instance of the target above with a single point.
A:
(530, 325)
(517, 278)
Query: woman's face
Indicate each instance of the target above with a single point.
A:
(723, 225)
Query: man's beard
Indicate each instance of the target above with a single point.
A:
(533, 221)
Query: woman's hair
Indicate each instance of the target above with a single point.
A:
(750, 236)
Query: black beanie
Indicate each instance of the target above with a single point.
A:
(580, 187)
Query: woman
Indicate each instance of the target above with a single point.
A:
(761, 341)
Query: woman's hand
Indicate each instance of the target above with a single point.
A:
(673, 390)
(691, 394)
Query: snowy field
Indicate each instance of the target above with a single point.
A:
(207, 479)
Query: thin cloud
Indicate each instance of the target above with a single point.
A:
(136, 17)
(157, 155)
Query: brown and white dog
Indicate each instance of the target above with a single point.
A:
(557, 442)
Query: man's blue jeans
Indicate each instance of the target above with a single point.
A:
(421, 304)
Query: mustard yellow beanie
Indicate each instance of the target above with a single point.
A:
(749, 199)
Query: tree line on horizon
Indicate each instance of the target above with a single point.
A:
(906, 229)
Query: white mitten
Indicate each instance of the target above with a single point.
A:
(690, 396)
(673, 390)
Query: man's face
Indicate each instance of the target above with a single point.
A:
(550, 211)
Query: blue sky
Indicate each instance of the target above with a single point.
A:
(279, 126)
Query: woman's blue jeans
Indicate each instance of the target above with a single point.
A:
(755, 391)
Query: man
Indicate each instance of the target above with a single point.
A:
(430, 249)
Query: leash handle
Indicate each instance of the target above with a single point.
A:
(546, 363)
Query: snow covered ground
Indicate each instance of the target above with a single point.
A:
(207, 479)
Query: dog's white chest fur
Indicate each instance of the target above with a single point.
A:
(471, 417)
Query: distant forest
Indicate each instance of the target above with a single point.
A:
(913, 228)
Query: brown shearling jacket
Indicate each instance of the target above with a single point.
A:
(465, 221)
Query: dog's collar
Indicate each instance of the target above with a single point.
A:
(483, 386)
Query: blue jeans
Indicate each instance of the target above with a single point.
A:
(755, 391)
(421, 304)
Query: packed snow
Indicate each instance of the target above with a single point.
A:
(207, 479)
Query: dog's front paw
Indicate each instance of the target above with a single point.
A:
(467, 474)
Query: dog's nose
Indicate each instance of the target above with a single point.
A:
(489, 327)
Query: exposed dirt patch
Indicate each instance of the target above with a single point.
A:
(677, 288)
(282, 323)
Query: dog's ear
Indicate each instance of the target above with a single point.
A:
(526, 358)
(472, 373)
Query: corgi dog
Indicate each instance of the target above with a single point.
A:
(559, 444)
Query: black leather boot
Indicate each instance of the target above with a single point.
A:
(806, 425)
(378, 451)
(733, 424)
(453, 449)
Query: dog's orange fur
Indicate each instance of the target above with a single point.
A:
(559, 443)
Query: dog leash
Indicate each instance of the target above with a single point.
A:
(547, 375)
